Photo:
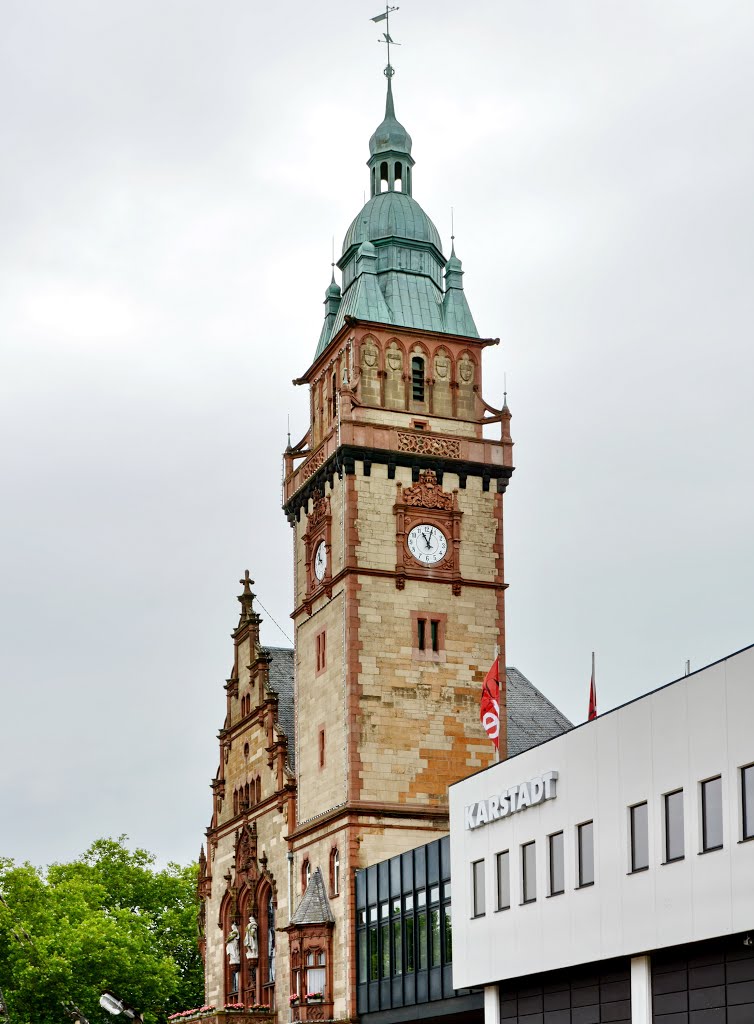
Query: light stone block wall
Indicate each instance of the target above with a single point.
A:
(419, 730)
(320, 705)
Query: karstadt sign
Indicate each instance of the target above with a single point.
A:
(511, 800)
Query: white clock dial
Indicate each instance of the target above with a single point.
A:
(427, 544)
(320, 561)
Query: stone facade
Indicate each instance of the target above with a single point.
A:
(340, 753)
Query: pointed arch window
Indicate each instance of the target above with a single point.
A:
(306, 874)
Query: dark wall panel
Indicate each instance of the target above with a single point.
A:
(704, 983)
(594, 994)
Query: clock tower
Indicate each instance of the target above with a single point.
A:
(395, 497)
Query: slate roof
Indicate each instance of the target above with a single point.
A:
(281, 681)
(314, 907)
(532, 718)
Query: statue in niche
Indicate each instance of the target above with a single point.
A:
(395, 394)
(466, 369)
(231, 945)
(250, 942)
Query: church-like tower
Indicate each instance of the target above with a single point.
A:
(395, 497)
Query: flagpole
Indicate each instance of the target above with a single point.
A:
(499, 723)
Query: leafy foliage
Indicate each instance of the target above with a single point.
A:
(110, 920)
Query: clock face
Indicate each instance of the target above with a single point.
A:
(320, 561)
(427, 544)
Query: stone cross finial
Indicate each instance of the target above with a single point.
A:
(247, 582)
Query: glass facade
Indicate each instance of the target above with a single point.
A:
(404, 932)
(747, 796)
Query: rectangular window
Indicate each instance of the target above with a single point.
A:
(528, 873)
(397, 947)
(362, 959)
(374, 958)
(747, 800)
(385, 941)
(674, 846)
(477, 887)
(322, 748)
(421, 634)
(321, 649)
(585, 840)
(421, 928)
(639, 820)
(557, 864)
(712, 814)
(315, 980)
(408, 929)
(503, 873)
(434, 931)
(448, 922)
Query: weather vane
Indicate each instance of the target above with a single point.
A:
(386, 37)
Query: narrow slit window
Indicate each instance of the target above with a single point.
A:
(674, 845)
(477, 885)
(639, 837)
(435, 634)
(557, 864)
(417, 378)
(712, 814)
(585, 836)
(322, 748)
(421, 634)
(503, 872)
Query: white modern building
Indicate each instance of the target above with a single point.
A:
(608, 874)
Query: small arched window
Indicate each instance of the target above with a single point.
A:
(417, 378)
(306, 874)
(383, 175)
(246, 797)
(258, 788)
(235, 801)
(246, 750)
(399, 176)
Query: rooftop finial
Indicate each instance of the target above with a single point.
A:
(389, 41)
(452, 232)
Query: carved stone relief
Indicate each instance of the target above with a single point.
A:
(370, 362)
(466, 373)
(442, 403)
(395, 392)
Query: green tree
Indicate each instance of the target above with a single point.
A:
(110, 920)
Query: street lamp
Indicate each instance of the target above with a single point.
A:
(115, 1006)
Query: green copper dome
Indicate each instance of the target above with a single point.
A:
(392, 261)
(388, 214)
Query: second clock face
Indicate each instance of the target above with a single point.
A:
(427, 544)
(320, 561)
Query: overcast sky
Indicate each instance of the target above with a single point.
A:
(172, 173)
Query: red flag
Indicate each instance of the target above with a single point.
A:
(592, 694)
(489, 708)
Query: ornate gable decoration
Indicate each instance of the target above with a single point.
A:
(426, 504)
(247, 868)
(427, 493)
